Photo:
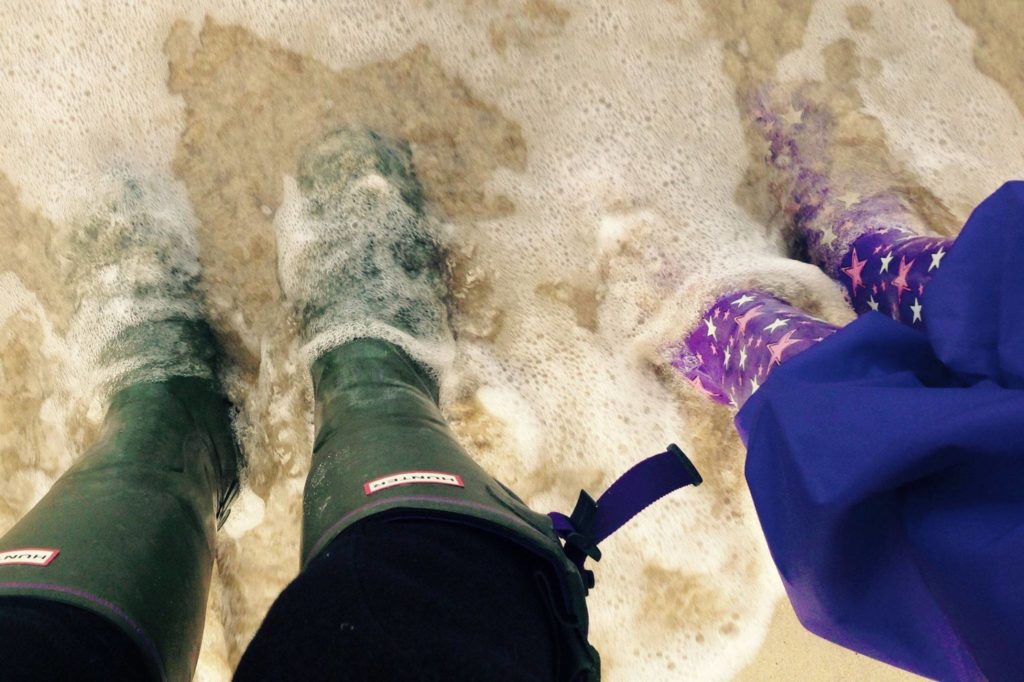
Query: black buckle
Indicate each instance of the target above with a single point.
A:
(687, 464)
(579, 544)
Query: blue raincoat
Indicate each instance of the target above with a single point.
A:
(887, 468)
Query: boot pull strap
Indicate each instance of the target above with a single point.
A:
(643, 485)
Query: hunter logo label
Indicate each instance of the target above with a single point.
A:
(412, 478)
(30, 556)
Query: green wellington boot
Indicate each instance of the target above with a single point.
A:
(128, 531)
(384, 450)
(359, 261)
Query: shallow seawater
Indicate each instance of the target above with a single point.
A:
(591, 168)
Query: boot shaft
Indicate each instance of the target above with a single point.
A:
(131, 525)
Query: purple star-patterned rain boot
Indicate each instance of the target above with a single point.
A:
(843, 194)
(741, 338)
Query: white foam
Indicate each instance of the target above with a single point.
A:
(130, 260)
(337, 265)
(247, 512)
(955, 127)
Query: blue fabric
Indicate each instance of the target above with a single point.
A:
(887, 468)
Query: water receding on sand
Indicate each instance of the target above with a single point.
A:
(593, 175)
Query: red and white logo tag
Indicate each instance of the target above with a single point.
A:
(412, 478)
(30, 556)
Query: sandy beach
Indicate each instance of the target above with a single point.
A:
(592, 169)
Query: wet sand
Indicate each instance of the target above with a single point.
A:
(792, 653)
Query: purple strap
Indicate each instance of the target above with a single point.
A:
(644, 484)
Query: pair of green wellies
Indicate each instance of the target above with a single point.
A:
(128, 532)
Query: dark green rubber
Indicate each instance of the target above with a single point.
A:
(377, 418)
(134, 520)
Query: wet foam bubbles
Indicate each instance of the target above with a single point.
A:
(130, 263)
(357, 255)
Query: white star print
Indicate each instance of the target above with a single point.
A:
(937, 259)
(886, 259)
(828, 238)
(917, 308)
(792, 116)
(872, 303)
(745, 298)
(754, 386)
(779, 322)
(743, 358)
(712, 329)
(850, 198)
(728, 355)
